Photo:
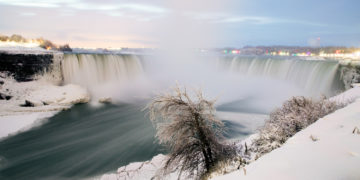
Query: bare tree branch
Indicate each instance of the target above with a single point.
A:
(188, 127)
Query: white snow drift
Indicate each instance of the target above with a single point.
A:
(328, 149)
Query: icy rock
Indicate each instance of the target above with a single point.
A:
(32, 103)
(5, 97)
(105, 100)
(62, 95)
(24, 67)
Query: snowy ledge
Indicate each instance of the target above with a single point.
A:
(327, 149)
(45, 99)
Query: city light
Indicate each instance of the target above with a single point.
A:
(235, 52)
(337, 53)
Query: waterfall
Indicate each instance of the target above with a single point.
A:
(105, 74)
(96, 69)
(314, 76)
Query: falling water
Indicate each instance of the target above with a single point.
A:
(315, 77)
(94, 69)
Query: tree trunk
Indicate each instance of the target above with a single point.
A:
(205, 145)
(207, 162)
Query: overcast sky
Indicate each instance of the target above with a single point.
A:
(215, 23)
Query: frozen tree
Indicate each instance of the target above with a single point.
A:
(294, 115)
(350, 74)
(65, 48)
(191, 131)
(46, 44)
(17, 38)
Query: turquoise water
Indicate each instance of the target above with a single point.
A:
(81, 142)
(84, 142)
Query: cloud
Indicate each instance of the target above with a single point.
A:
(143, 8)
(228, 18)
(137, 11)
(257, 20)
(248, 19)
(261, 20)
(83, 5)
(37, 3)
(27, 14)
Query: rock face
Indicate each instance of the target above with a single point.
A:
(23, 67)
(349, 74)
(4, 96)
(31, 103)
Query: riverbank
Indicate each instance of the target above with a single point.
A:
(28, 103)
(327, 149)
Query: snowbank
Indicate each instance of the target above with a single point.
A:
(44, 98)
(348, 95)
(23, 48)
(138, 170)
(327, 149)
(13, 124)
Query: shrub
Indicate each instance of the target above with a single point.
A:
(191, 132)
(294, 115)
(65, 48)
(17, 38)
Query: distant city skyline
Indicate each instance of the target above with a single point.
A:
(140, 23)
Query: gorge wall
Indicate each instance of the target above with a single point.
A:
(25, 67)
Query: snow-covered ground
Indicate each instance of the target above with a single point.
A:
(13, 124)
(46, 98)
(138, 170)
(335, 153)
(23, 48)
(327, 149)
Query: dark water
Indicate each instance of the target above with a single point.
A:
(81, 142)
(243, 105)
(84, 142)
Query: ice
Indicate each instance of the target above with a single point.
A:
(18, 123)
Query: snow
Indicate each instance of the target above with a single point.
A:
(48, 98)
(13, 124)
(327, 149)
(348, 95)
(23, 48)
(138, 170)
(61, 95)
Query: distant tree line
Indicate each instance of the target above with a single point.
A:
(43, 43)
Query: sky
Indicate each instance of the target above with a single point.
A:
(211, 23)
